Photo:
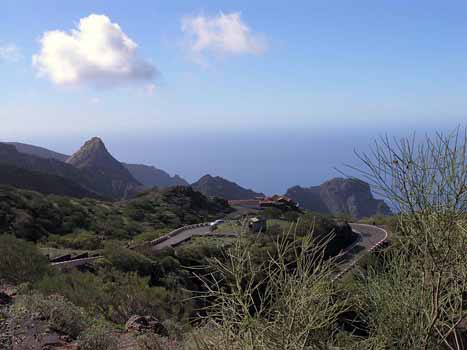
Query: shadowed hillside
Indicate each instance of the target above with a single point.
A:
(222, 188)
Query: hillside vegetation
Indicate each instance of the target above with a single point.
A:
(34, 216)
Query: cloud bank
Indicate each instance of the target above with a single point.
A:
(97, 52)
(225, 34)
(9, 53)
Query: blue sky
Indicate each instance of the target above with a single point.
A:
(355, 69)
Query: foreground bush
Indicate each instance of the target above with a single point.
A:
(115, 295)
(20, 261)
(98, 338)
(279, 304)
(62, 316)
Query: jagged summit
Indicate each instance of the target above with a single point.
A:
(94, 156)
(93, 151)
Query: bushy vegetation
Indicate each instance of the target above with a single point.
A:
(279, 289)
(20, 261)
(99, 338)
(62, 316)
(33, 216)
(270, 306)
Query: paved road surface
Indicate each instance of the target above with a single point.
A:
(185, 235)
(182, 236)
(370, 235)
(369, 238)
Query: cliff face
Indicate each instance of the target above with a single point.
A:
(219, 187)
(340, 196)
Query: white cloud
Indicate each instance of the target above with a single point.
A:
(9, 53)
(98, 52)
(151, 89)
(225, 34)
(95, 100)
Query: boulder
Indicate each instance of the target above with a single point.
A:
(145, 324)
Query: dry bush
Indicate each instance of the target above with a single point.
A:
(286, 302)
(61, 315)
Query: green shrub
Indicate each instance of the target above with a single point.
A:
(127, 260)
(61, 315)
(81, 288)
(150, 235)
(83, 240)
(272, 213)
(20, 261)
(115, 295)
(97, 339)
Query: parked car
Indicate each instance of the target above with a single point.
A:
(216, 223)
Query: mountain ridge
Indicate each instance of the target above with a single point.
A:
(216, 186)
(148, 175)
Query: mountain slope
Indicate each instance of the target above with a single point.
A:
(9, 155)
(114, 179)
(38, 151)
(45, 183)
(150, 176)
(222, 188)
(339, 196)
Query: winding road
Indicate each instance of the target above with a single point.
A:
(188, 234)
(369, 237)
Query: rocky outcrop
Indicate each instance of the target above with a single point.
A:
(114, 180)
(144, 324)
(340, 196)
(219, 187)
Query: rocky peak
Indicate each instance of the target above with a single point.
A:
(94, 157)
(340, 196)
(93, 152)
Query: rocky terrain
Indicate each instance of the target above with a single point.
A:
(149, 176)
(216, 186)
(339, 196)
